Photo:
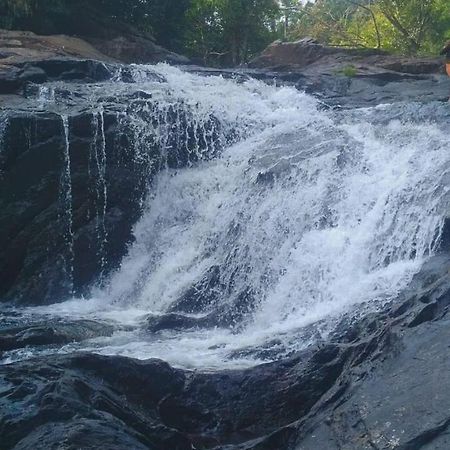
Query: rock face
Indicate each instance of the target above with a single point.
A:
(15, 78)
(377, 382)
(314, 57)
(59, 230)
(24, 46)
(18, 47)
(51, 333)
(136, 49)
(72, 185)
(375, 89)
(353, 77)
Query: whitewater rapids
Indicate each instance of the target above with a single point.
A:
(305, 215)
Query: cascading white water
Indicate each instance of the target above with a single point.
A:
(308, 215)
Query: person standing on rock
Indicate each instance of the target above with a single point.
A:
(446, 51)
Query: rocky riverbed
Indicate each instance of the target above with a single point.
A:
(377, 382)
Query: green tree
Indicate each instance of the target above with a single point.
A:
(231, 31)
(404, 26)
(336, 22)
(411, 21)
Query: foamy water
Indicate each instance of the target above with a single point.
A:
(305, 215)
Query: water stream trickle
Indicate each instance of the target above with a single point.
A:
(3, 129)
(66, 204)
(97, 171)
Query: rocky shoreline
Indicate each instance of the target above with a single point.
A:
(372, 384)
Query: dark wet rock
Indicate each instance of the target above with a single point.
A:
(85, 433)
(53, 332)
(202, 295)
(88, 401)
(376, 382)
(228, 315)
(375, 89)
(10, 81)
(40, 260)
(15, 78)
(67, 211)
(33, 74)
(173, 321)
(89, 396)
(70, 70)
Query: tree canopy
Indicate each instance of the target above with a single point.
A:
(230, 32)
(402, 26)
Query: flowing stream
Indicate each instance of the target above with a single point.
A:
(291, 216)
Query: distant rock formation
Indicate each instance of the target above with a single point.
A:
(311, 56)
(18, 47)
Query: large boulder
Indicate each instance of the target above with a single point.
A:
(300, 54)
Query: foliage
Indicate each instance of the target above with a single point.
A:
(403, 26)
(230, 31)
(165, 19)
(226, 31)
(348, 71)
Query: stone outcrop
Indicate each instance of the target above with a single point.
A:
(72, 186)
(312, 57)
(353, 77)
(15, 79)
(136, 49)
(24, 46)
(58, 228)
(378, 382)
(19, 47)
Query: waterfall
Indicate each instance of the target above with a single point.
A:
(3, 128)
(288, 217)
(65, 198)
(45, 96)
(97, 171)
